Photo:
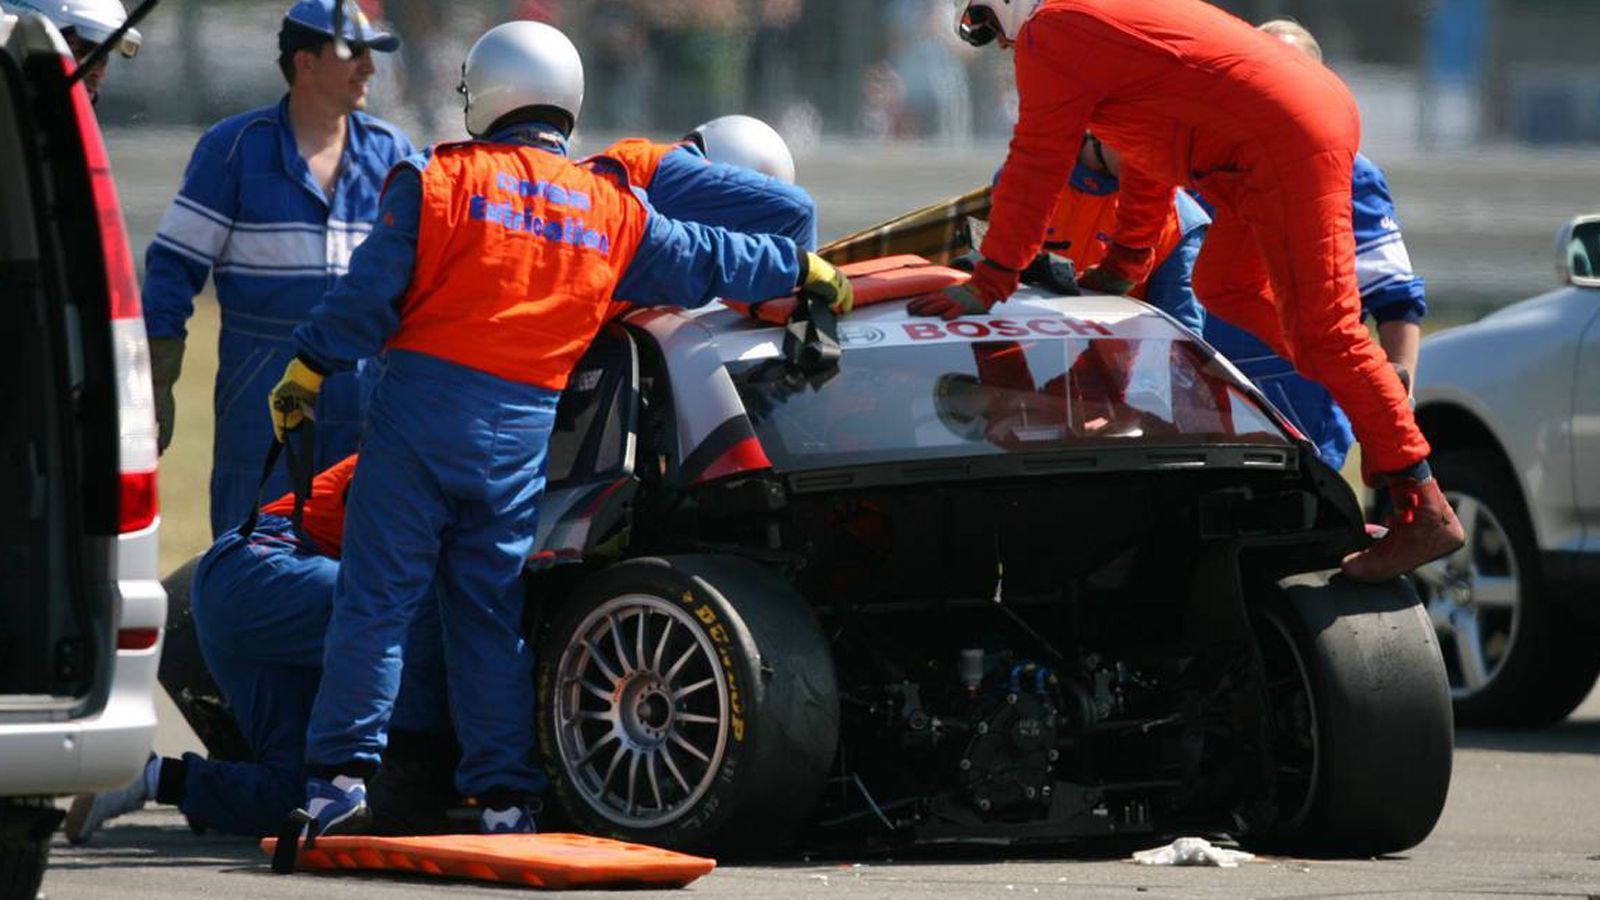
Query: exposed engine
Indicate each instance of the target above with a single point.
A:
(1051, 659)
(1026, 749)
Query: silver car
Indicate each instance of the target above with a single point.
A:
(1512, 406)
(81, 609)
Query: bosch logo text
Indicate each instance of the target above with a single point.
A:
(1004, 328)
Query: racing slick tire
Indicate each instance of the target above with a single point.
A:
(1362, 722)
(26, 824)
(184, 674)
(688, 702)
(1500, 625)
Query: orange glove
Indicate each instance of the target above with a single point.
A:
(990, 284)
(1122, 269)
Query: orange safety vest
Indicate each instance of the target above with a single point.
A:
(640, 157)
(1086, 215)
(322, 519)
(518, 252)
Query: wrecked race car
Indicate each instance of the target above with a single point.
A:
(1055, 572)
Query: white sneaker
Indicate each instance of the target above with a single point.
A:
(514, 820)
(337, 807)
(90, 811)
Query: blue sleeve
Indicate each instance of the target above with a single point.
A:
(356, 318)
(1390, 290)
(688, 264)
(688, 188)
(1171, 286)
(191, 236)
(1202, 202)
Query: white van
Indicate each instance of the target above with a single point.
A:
(81, 605)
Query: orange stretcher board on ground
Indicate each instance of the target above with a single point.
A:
(548, 861)
(874, 281)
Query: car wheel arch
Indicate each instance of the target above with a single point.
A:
(1452, 426)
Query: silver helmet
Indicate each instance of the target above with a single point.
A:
(980, 21)
(518, 65)
(92, 20)
(748, 142)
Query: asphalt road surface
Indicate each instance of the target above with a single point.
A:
(1523, 821)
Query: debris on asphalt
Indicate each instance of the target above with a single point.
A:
(1192, 851)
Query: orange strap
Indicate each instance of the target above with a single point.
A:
(874, 281)
(554, 861)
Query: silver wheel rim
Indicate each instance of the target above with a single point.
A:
(641, 711)
(1474, 598)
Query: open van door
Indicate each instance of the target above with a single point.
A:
(81, 608)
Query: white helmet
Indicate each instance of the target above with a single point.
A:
(93, 20)
(748, 142)
(980, 21)
(518, 65)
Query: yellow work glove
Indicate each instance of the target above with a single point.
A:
(818, 278)
(294, 397)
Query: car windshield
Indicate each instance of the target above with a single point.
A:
(909, 403)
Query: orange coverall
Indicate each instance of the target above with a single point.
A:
(1194, 96)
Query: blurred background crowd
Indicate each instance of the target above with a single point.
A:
(1453, 71)
(1485, 113)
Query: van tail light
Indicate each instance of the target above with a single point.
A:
(137, 638)
(136, 406)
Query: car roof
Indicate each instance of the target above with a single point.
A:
(1031, 312)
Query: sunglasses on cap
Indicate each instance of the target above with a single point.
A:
(295, 36)
(978, 26)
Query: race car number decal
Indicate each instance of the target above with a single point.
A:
(978, 329)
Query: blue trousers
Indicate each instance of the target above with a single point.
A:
(447, 490)
(1171, 286)
(261, 608)
(1302, 401)
(251, 360)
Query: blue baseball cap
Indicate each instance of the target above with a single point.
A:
(310, 22)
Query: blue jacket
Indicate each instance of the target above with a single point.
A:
(1390, 292)
(250, 213)
(676, 264)
(690, 188)
(1171, 284)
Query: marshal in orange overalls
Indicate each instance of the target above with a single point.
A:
(1193, 96)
